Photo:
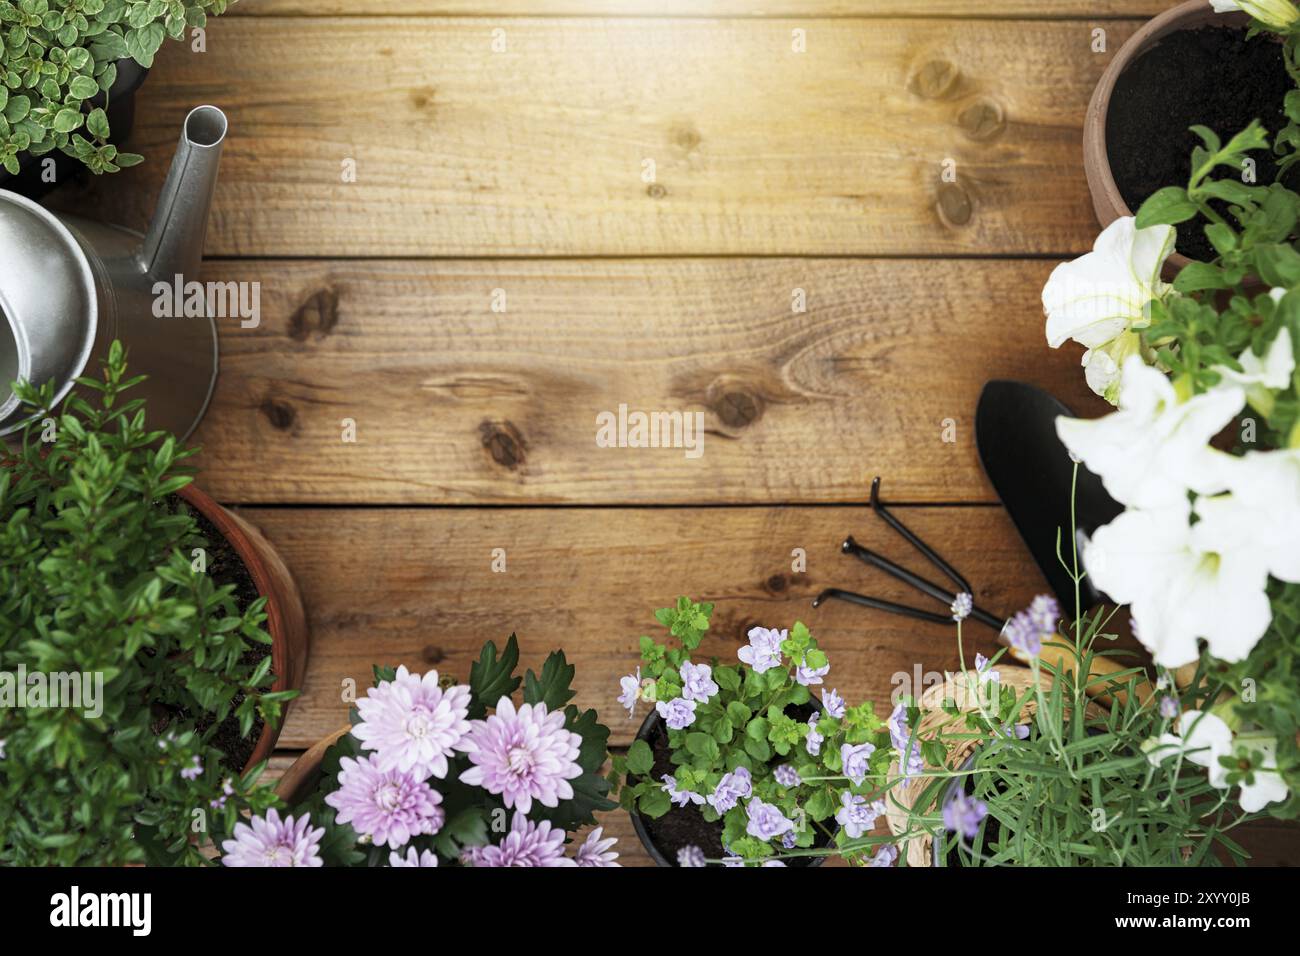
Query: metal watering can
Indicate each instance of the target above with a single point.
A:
(69, 287)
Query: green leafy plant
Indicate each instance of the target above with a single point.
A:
(98, 589)
(751, 750)
(58, 61)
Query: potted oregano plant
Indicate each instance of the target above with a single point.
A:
(1219, 64)
(68, 77)
(432, 772)
(740, 764)
(149, 641)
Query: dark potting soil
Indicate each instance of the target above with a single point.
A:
(683, 826)
(225, 567)
(1211, 76)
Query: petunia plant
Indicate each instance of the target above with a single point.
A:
(784, 775)
(427, 776)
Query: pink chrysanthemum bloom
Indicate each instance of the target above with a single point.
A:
(413, 858)
(524, 755)
(274, 842)
(596, 852)
(412, 723)
(388, 806)
(527, 844)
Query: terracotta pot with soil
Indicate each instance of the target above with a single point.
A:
(303, 775)
(685, 826)
(240, 555)
(1189, 66)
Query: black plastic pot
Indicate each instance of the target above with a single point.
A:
(119, 104)
(647, 730)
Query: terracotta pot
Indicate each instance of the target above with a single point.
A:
(1106, 200)
(301, 778)
(286, 617)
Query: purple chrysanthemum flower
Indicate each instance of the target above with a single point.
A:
(885, 856)
(856, 815)
(389, 806)
(527, 844)
(766, 821)
(596, 851)
(856, 759)
(1045, 613)
(471, 856)
(412, 724)
(984, 670)
(422, 858)
(787, 776)
(631, 691)
(523, 755)
(1168, 707)
(963, 813)
(962, 605)
(678, 713)
(679, 797)
(697, 682)
(691, 856)
(813, 742)
(732, 788)
(764, 649)
(833, 703)
(904, 742)
(274, 842)
(194, 770)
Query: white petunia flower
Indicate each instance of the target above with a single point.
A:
(1278, 14)
(1205, 740)
(1261, 376)
(1100, 298)
(1259, 521)
(1154, 448)
(1157, 562)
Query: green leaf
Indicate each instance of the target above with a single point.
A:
(640, 758)
(1168, 206)
(492, 677)
(553, 687)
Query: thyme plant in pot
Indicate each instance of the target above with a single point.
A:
(69, 70)
(739, 764)
(149, 642)
(426, 776)
(1215, 63)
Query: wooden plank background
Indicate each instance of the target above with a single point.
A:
(1024, 9)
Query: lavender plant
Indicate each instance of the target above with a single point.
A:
(97, 589)
(427, 777)
(782, 775)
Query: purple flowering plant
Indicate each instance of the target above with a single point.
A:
(764, 748)
(438, 773)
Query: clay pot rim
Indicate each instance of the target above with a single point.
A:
(305, 771)
(235, 536)
(1107, 202)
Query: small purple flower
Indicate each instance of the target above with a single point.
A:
(787, 776)
(1168, 707)
(690, 855)
(766, 821)
(697, 682)
(833, 703)
(194, 770)
(962, 605)
(422, 858)
(1022, 634)
(904, 742)
(527, 844)
(274, 842)
(1045, 613)
(885, 856)
(789, 840)
(219, 803)
(1018, 731)
(764, 650)
(856, 759)
(963, 813)
(813, 742)
(597, 851)
(677, 713)
(773, 863)
(631, 688)
(679, 797)
(731, 789)
(984, 670)
(856, 815)
(809, 676)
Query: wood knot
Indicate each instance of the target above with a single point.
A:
(319, 314)
(954, 204)
(422, 97)
(737, 408)
(775, 584)
(504, 443)
(685, 137)
(280, 414)
(432, 654)
(656, 191)
(934, 79)
(982, 120)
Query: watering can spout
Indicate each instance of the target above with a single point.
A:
(174, 244)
